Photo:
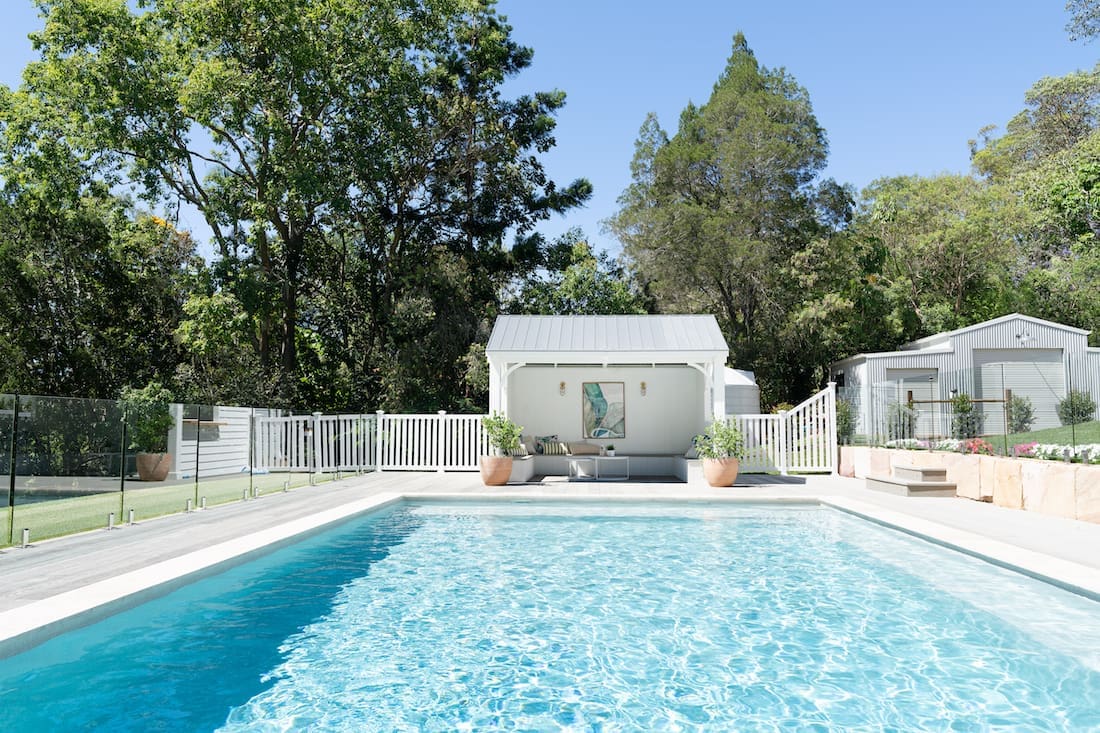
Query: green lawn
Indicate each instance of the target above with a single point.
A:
(1081, 434)
(68, 515)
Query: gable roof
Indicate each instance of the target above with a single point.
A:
(942, 342)
(946, 335)
(565, 335)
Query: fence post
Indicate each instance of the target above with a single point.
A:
(378, 441)
(441, 441)
(834, 440)
(783, 433)
(315, 448)
(360, 453)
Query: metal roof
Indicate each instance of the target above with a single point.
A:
(609, 334)
(919, 343)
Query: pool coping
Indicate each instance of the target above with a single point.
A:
(31, 624)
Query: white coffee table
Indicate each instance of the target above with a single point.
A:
(595, 468)
(619, 465)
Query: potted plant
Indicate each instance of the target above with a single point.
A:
(610, 449)
(148, 420)
(503, 436)
(721, 447)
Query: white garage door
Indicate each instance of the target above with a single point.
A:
(1037, 374)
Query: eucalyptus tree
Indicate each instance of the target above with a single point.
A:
(299, 126)
(716, 211)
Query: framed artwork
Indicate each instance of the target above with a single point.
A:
(603, 410)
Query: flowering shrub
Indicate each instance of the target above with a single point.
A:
(1024, 450)
(907, 444)
(947, 444)
(1089, 453)
(976, 446)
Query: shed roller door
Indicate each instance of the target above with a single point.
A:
(1037, 374)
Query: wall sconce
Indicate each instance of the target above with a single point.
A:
(643, 389)
(561, 388)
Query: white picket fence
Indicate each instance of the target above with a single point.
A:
(801, 440)
(378, 442)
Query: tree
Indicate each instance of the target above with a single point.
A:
(1061, 111)
(89, 293)
(948, 252)
(1084, 22)
(714, 213)
(577, 281)
(338, 151)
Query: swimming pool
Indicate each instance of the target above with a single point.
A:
(555, 616)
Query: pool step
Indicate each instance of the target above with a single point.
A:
(914, 481)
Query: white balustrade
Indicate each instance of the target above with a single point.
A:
(800, 440)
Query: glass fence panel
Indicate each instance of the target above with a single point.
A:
(1005, 407)
(160, 477)
(7, 418)
(1079, 412)
(68, 466)
(221, 437)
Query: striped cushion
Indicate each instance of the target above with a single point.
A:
(554, 449)
(548, 445)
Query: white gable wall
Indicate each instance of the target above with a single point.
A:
(662, 421)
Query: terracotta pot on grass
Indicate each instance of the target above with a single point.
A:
(720, 471)
(153, 466)
(496, 470)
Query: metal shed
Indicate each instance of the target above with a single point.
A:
(1014, 355)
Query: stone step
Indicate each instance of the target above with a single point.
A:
(920, 473)
(909, 487)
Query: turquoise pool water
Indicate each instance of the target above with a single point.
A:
(556, 617)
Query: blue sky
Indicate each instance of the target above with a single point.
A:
(899, 87)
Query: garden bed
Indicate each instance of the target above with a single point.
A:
(1057, 488)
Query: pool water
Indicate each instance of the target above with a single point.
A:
(582, 617)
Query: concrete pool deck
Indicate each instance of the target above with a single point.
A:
(60, 584)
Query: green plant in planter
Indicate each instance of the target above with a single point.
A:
(148, 418)
(503, 434)
(722, 439)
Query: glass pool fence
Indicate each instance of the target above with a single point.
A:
(74, 465)
(1008, 409)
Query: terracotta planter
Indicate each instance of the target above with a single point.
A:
(496, 470)
(153, 466)
(720, 471)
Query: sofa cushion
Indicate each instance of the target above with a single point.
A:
(584, 449)
(548, 445)
(553, 448)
